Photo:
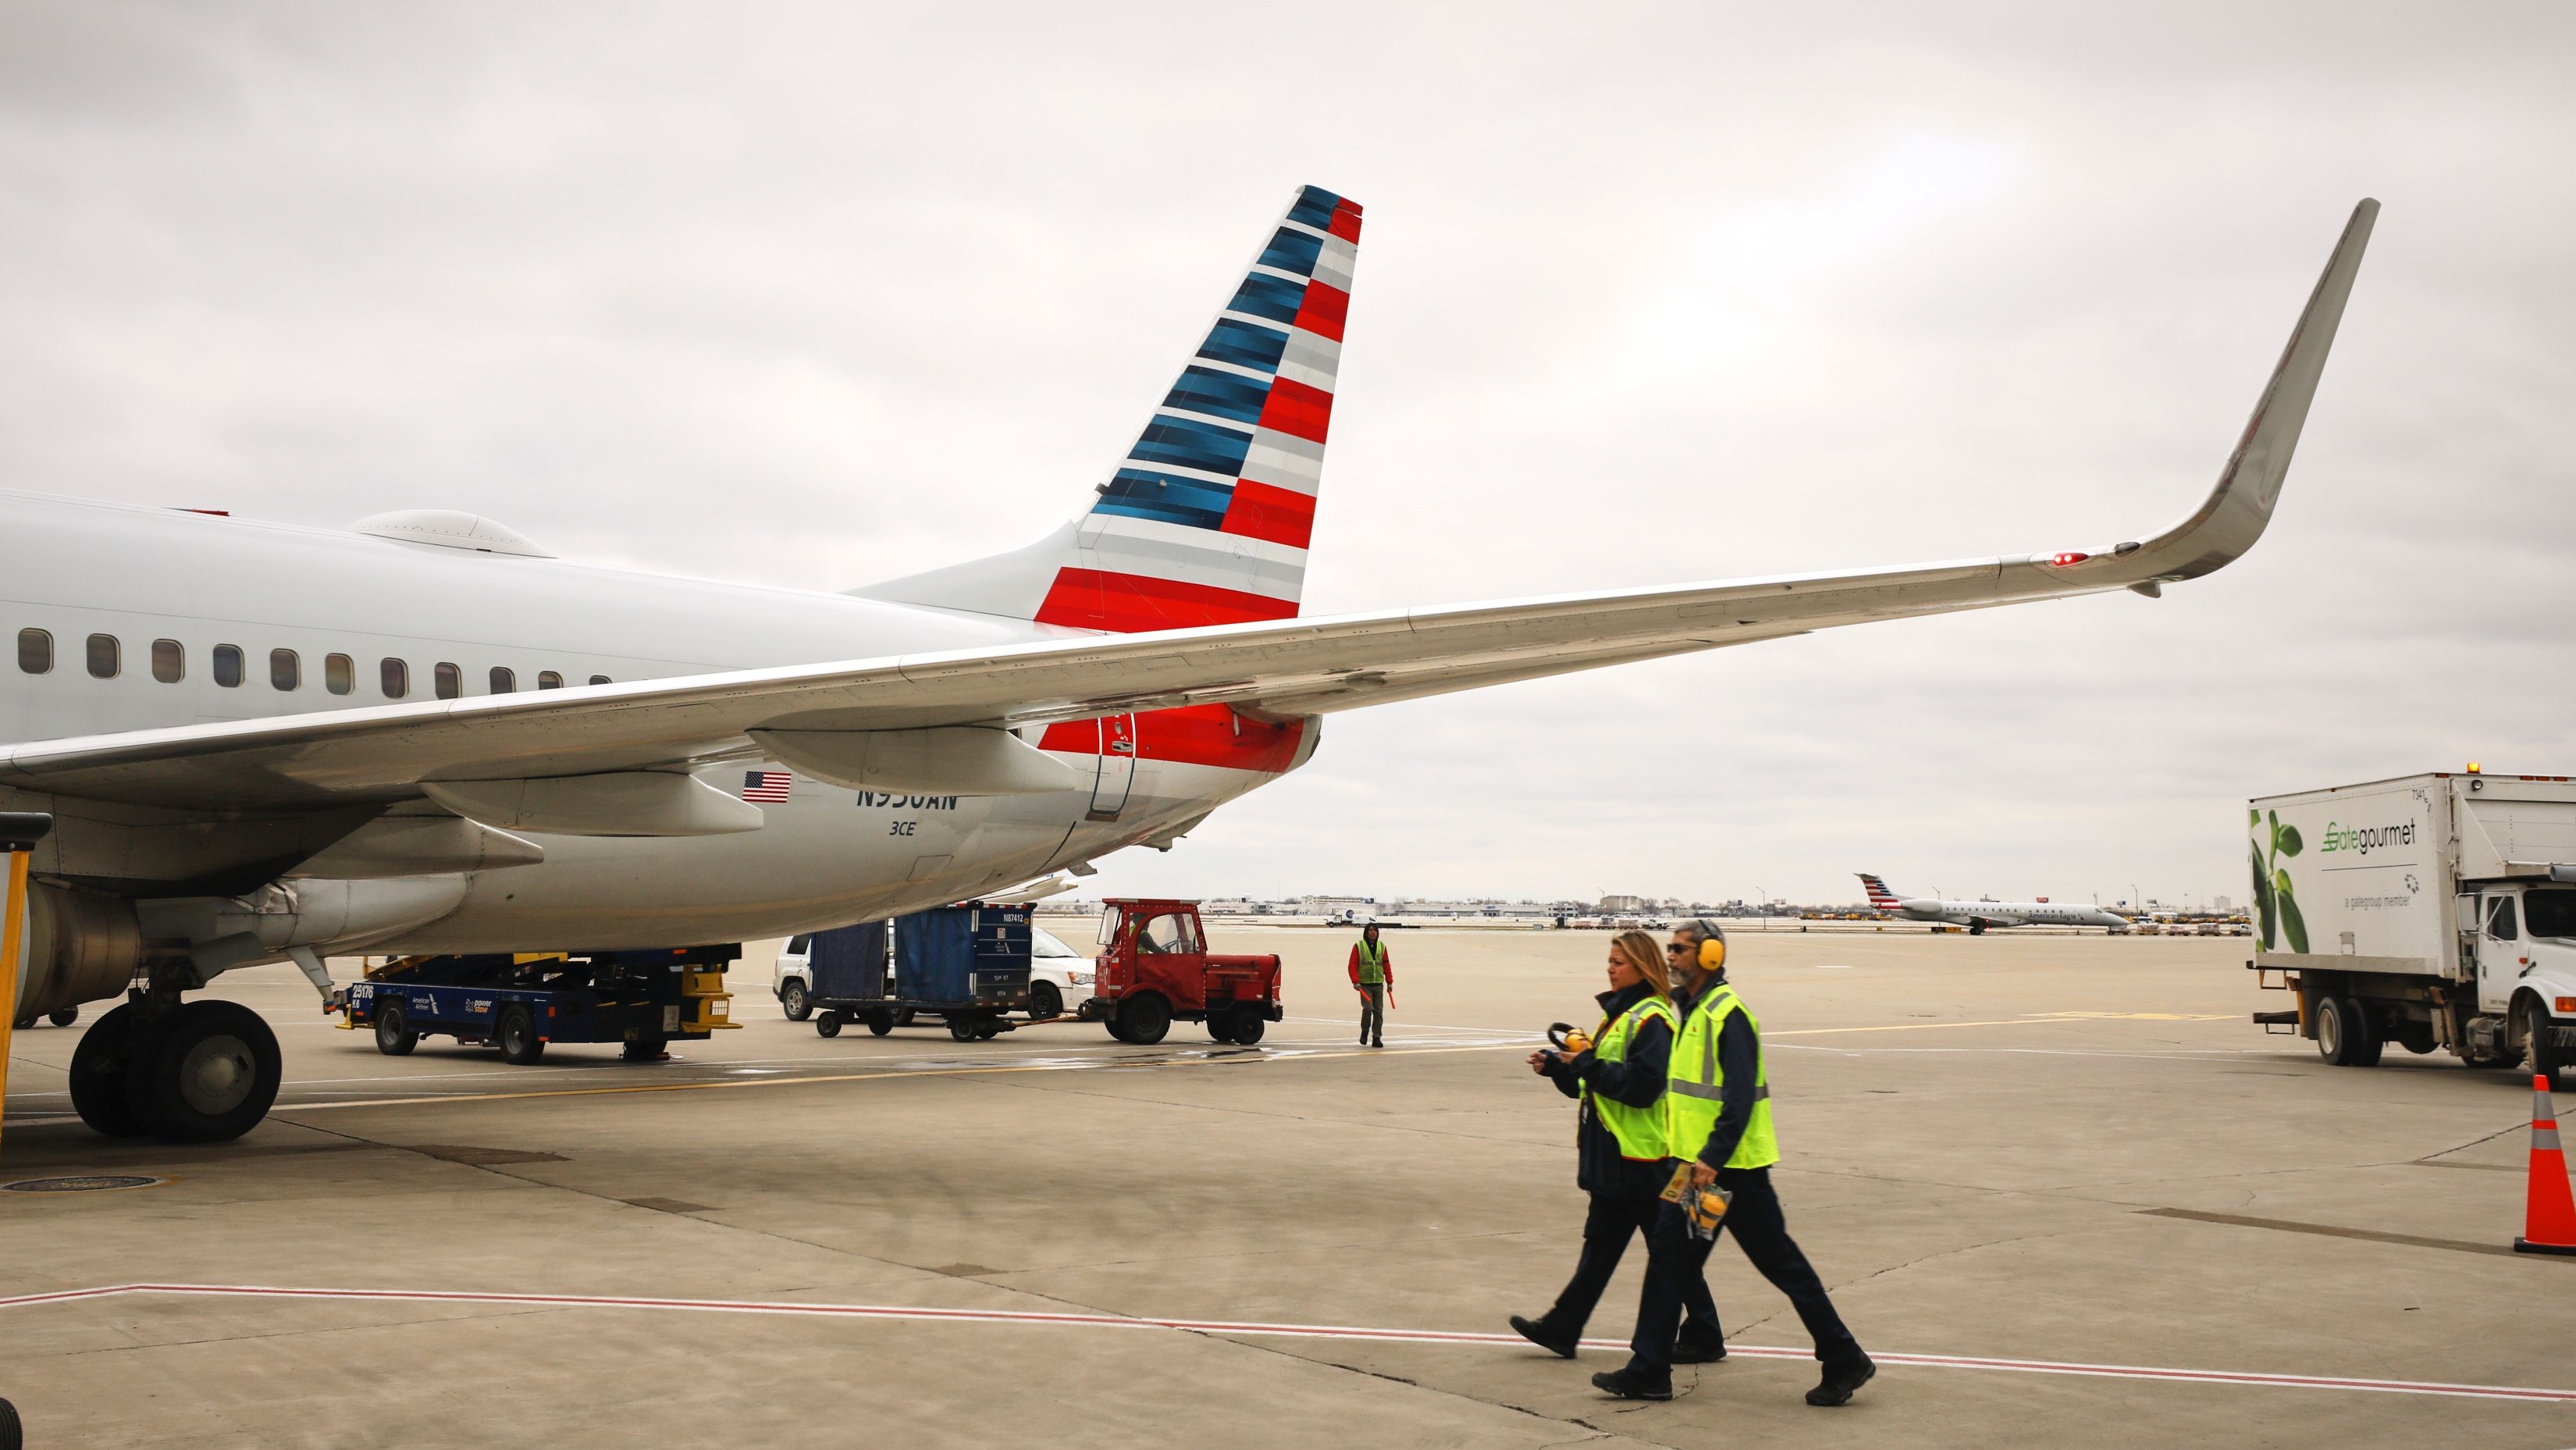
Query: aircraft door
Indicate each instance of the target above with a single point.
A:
(1117, 767)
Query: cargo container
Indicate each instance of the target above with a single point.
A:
(2434, 911)
(967, 966)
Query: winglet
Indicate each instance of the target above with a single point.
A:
(2229, 521)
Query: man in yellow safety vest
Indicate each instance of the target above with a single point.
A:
(1718, 1120)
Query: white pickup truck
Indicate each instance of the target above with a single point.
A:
(2432, 911)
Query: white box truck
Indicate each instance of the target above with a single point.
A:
(2432, 911)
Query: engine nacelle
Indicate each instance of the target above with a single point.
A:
(76, 948)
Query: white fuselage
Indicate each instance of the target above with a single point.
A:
(2007, 913)
(826, 855)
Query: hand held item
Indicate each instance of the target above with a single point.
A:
(1573, 1041)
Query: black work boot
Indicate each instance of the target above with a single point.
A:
(1841, 1378)
(1629, 1384)
(1537, 1332)
(1698, 1347)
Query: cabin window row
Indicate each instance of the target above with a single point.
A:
(104, 655)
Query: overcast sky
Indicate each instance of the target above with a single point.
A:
(811, 296)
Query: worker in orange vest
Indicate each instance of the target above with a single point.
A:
(1373, 977)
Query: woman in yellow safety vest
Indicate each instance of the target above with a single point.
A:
(1621, 1155)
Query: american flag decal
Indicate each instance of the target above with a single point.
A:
(766, 785)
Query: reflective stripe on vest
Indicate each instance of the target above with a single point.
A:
(1640, 1131)
(1699, 1083)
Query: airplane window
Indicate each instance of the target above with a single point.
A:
(549, 680)
(395, 677)
(169, 661)
(285, 671)
(503, 682)
(103, 660)
(450, 680)
(601, 680)
(339, 674)
(35, 651)
(228, 665)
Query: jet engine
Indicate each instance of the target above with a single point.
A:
(76, 948)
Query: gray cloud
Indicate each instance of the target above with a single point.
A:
(812, 295)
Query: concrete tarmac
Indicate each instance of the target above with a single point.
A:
(2039, 1174)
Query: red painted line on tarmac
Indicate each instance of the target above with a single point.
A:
(1289, 1331)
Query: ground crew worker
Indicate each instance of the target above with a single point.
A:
(1620, 1158)
(1373, 977)
(1718, 1119)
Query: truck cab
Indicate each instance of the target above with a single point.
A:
(1154, 968)
(2520, 941)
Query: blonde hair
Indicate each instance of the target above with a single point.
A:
(1647, 956)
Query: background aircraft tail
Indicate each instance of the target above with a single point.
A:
(1206, 519)
(1879, 896)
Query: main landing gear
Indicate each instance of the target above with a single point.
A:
(191, 1072)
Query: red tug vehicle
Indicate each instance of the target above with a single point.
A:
(1154, 966)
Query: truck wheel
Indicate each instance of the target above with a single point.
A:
(1249, 1024)
(2539, 1054)
(98, 1073)
(1219, 1025)
(204, 1073)
(515, 1033)
(1044, 1001)
(962, 1028)
(903, 1017)
(793, 1001)
(1146, 1016)
(987, 1028)
(880, 1023)
(63, 1017)
(394, 1037)
(829, 1024)
(1116, 1032)
(2343, 1033)
(647, 1049)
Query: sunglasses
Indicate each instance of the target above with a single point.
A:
(1670, 947)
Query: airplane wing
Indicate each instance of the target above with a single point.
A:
(1270, 669)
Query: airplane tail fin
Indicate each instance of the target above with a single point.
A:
(1206, 519)
(1879, 896)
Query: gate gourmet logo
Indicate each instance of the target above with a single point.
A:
(2366, 839)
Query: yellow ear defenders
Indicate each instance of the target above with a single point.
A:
(1712, 946)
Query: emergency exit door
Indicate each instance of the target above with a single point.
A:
(1117, 767)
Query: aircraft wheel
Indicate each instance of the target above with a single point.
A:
(514, 1031)
(204, 1072)
(13, 1436)
(98, 1073)
(63, 1017)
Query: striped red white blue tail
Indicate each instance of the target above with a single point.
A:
(1879, 896)
(1207, 518)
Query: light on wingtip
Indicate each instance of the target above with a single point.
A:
(2070, 557)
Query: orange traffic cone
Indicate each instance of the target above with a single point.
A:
(2549, 1218)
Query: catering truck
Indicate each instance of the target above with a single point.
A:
(2432, 911)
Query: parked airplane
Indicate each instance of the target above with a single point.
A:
(1976, 916)
(268, 742)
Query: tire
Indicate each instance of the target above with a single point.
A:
(514, 1031)
(647, 1049)
(2343, 1033)
(793, 1001)
(1045, 1001)
(1146, 1017)
(205, 1072)
(1249, 1024)
(13, 1435)
(1219, 1025)
(22, 1024)
(394, 1037)
(98, 1073)
(962, 1028)
(1116, 1032)
(2539, 1054)
(63, 1017)
(829, 1024)
(1976, 928)
(880, 1023)
(903, 1017)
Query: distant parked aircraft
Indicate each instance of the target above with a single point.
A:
(1976, 916)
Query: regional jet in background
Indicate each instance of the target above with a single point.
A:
(1976, 916)
(424, 733)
